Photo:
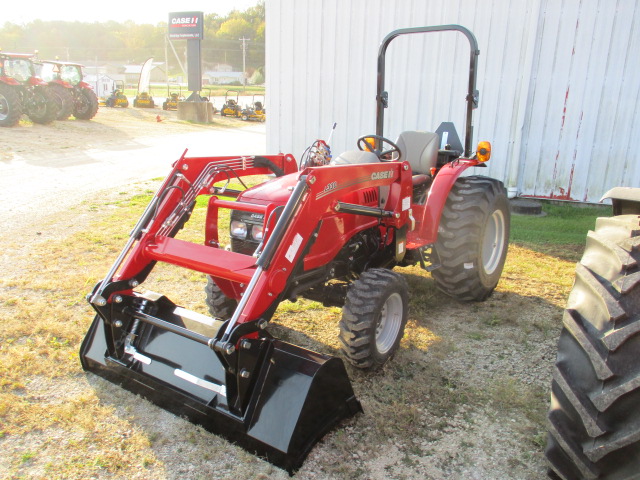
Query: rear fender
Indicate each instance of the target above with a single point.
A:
(9, 81)
(428, 215)
(37, 82)
(62, 83)
(624, 200)
(85, 85)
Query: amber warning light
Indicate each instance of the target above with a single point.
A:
(483, 152)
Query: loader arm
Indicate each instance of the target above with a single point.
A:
(229, 374)
(318, 193)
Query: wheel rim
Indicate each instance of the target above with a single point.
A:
(389, 323)
(4, 107)
(494, 242)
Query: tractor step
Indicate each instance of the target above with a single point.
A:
(210, 260)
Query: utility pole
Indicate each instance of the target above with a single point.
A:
(244, 60)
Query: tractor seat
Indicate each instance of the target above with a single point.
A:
(420, 149)
(354, 157)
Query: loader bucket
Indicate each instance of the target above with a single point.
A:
(276, 400)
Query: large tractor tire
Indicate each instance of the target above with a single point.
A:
(64, 101)
(10, 107)
(42, 107)
(594, 419)
(220, 306)
(472, 239)
(86, 105)
(374, 317)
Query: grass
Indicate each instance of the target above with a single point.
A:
(78, 426)
(560, 232)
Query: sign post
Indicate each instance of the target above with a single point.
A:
(189, 26)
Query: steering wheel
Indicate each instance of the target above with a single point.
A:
(365, 144)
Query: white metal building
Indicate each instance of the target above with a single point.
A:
(559, 83)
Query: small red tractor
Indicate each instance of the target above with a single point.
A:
(21, 91)
(328, 229)
(73, 94)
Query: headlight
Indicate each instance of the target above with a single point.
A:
(257, 232)
(238, 229)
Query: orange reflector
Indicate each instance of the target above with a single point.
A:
(483, 152)
(370, 144)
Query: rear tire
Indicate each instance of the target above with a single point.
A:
(374, 317)
(10, 107)
(43, 108)
(220, 306)
(64, 101)
(594, 419)
(86, 105)
(473, 238)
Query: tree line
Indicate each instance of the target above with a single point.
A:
(130, 42)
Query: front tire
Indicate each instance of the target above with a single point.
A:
(374, 317)
(473, 238)
(220, 306)
(594, 419)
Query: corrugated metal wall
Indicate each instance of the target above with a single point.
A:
(559, 82)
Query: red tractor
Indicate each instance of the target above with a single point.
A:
(328, 229)
(73, 94)
(21, 91)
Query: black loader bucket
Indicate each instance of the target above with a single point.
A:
(272, 398)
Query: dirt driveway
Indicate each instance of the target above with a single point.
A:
(49, 168)
(464, 398)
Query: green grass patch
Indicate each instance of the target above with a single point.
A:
(561, 232)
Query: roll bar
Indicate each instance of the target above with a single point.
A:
(472, 94)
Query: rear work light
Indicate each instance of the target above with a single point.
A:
(483, 152)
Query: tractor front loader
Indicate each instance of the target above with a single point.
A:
(327, 228)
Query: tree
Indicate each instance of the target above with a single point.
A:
(235, 28)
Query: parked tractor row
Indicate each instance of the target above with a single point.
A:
(44, 90)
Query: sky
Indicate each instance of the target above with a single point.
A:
(22, 12)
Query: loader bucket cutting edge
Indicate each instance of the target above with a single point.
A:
(297, 395)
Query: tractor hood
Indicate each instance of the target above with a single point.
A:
(275, 191)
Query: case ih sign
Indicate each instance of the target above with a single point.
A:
(186, 25)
